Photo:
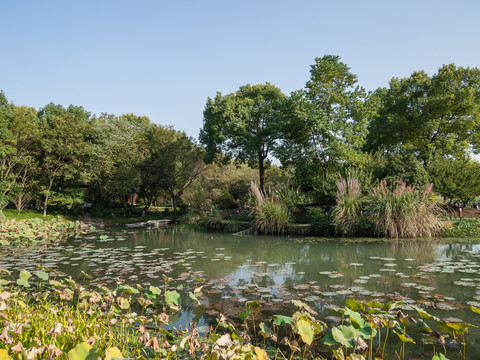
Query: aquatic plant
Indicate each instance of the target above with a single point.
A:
(402, 211)
(348, 210)
(270, 215)
(32, 231)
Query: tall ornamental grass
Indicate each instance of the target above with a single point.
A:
(270, 214)
(401, 211)
(348, 210)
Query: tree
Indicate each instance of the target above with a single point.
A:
(151, 169)
(117, 151)
(325, 125)
(456, 178)
(244, 125)
(406, 166)
(63, 146)
(176, 161)
(18, 147)
(430, 115)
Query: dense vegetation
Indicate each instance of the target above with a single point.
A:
(419, 130)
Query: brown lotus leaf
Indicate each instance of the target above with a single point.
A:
(224, 341)
(53, 352)
(57, 329)
(144, 339)
(17, 348)
(4, 295)
(142, 328)
(5, 337)
(91, 341)
(153, 342)
(360, 345)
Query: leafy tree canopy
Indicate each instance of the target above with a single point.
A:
(244, 125)
(456, 178)
(430, 115)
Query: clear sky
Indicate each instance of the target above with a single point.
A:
(163, 59)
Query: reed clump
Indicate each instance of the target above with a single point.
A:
(396, 211)
(348, 210)
(270, 215)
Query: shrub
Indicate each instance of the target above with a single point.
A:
(402, 211)
(226, 201)
(320, 222)
(463, 228)
(348, 210)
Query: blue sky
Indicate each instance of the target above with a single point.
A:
(163, 59)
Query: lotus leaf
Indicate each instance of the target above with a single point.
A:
(172, 297)
(113, 353)
(304, 329)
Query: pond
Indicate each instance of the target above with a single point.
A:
(442, 278)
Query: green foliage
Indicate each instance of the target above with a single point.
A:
(456, 178)
(67, 199)
(243, 125)
(226, 201)
(403, 165)
(426, 116)
(320, 222)
(463, 228)
(325, 126)
(174, 162)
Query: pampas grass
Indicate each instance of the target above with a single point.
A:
(348, 210)
(270, 215)
(401, 211)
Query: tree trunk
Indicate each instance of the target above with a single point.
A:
(174, 204)
(46, 198)
(261, 172)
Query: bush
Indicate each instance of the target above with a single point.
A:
(402, 211)
(463, 228)
(348, 210)
(226, 201)
(320, 222)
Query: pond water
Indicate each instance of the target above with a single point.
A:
(442, 278)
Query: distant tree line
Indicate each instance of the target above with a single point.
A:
(62, 157)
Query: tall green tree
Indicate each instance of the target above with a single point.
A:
(118, 148)
(325, 125)
(427, 116)
(63, 148)
(175, 162)
(456, 178)
(152, 167)
(18, 147)
(244, 125)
